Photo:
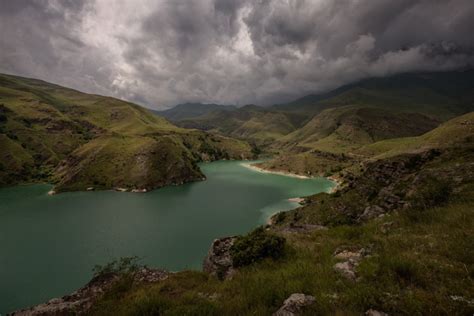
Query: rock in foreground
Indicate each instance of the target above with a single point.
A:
(294, 304)
(218, 261)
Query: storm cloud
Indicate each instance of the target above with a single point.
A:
(160, 53)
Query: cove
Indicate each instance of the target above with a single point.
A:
(49, 244)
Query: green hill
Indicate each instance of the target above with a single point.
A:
(459, 130)
(344, 128)
(253, 123)
(81, 140)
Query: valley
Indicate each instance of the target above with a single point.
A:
(399, 148)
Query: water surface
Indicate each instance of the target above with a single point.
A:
(49, 244)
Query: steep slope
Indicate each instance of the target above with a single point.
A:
(344, 128)
(330, 159)
(442, 95)
(459, 130)
(250, 122)
(330, 140)
(191, 110)
(95, 139)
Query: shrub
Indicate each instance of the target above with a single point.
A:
(256, 246)
(121, 266)
(279, 217)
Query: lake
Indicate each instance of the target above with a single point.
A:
(49, 244)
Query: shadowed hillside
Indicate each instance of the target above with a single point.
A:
(192, 110)
(253, 123)
(440, 94)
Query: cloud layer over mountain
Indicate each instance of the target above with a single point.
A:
(160, 53)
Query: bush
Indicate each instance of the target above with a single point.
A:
(121, 266)
(256, 246)
(279, 217)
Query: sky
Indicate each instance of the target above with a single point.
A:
(159, 53)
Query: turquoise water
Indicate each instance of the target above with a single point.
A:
(49, 244)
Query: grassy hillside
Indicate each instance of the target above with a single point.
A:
(191, 110)
(397, 237)
(250, 122)
(344, 128)
(331, 140)
(96, 141)
(457, 130)
(442, 95)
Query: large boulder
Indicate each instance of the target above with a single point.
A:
(295, 304)
(218, 261)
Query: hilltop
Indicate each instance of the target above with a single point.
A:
(79, 141)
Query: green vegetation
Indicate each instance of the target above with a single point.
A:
(255, 124)
(256, 246)
(81, 141)
(345, 128)
(124, 265)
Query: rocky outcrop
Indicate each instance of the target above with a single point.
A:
(350, 260)
(218, 261)
(79, 302)
(295, 304)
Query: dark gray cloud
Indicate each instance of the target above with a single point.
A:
(164, 52)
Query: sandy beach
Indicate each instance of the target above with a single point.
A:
(282, 173)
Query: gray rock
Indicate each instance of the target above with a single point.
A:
(294, 304)
(347, 269)
(218, 261)
(351, 259)
(370, 212)
(373, 312)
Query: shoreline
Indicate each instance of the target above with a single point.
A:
(281, 173)
(299, 200)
